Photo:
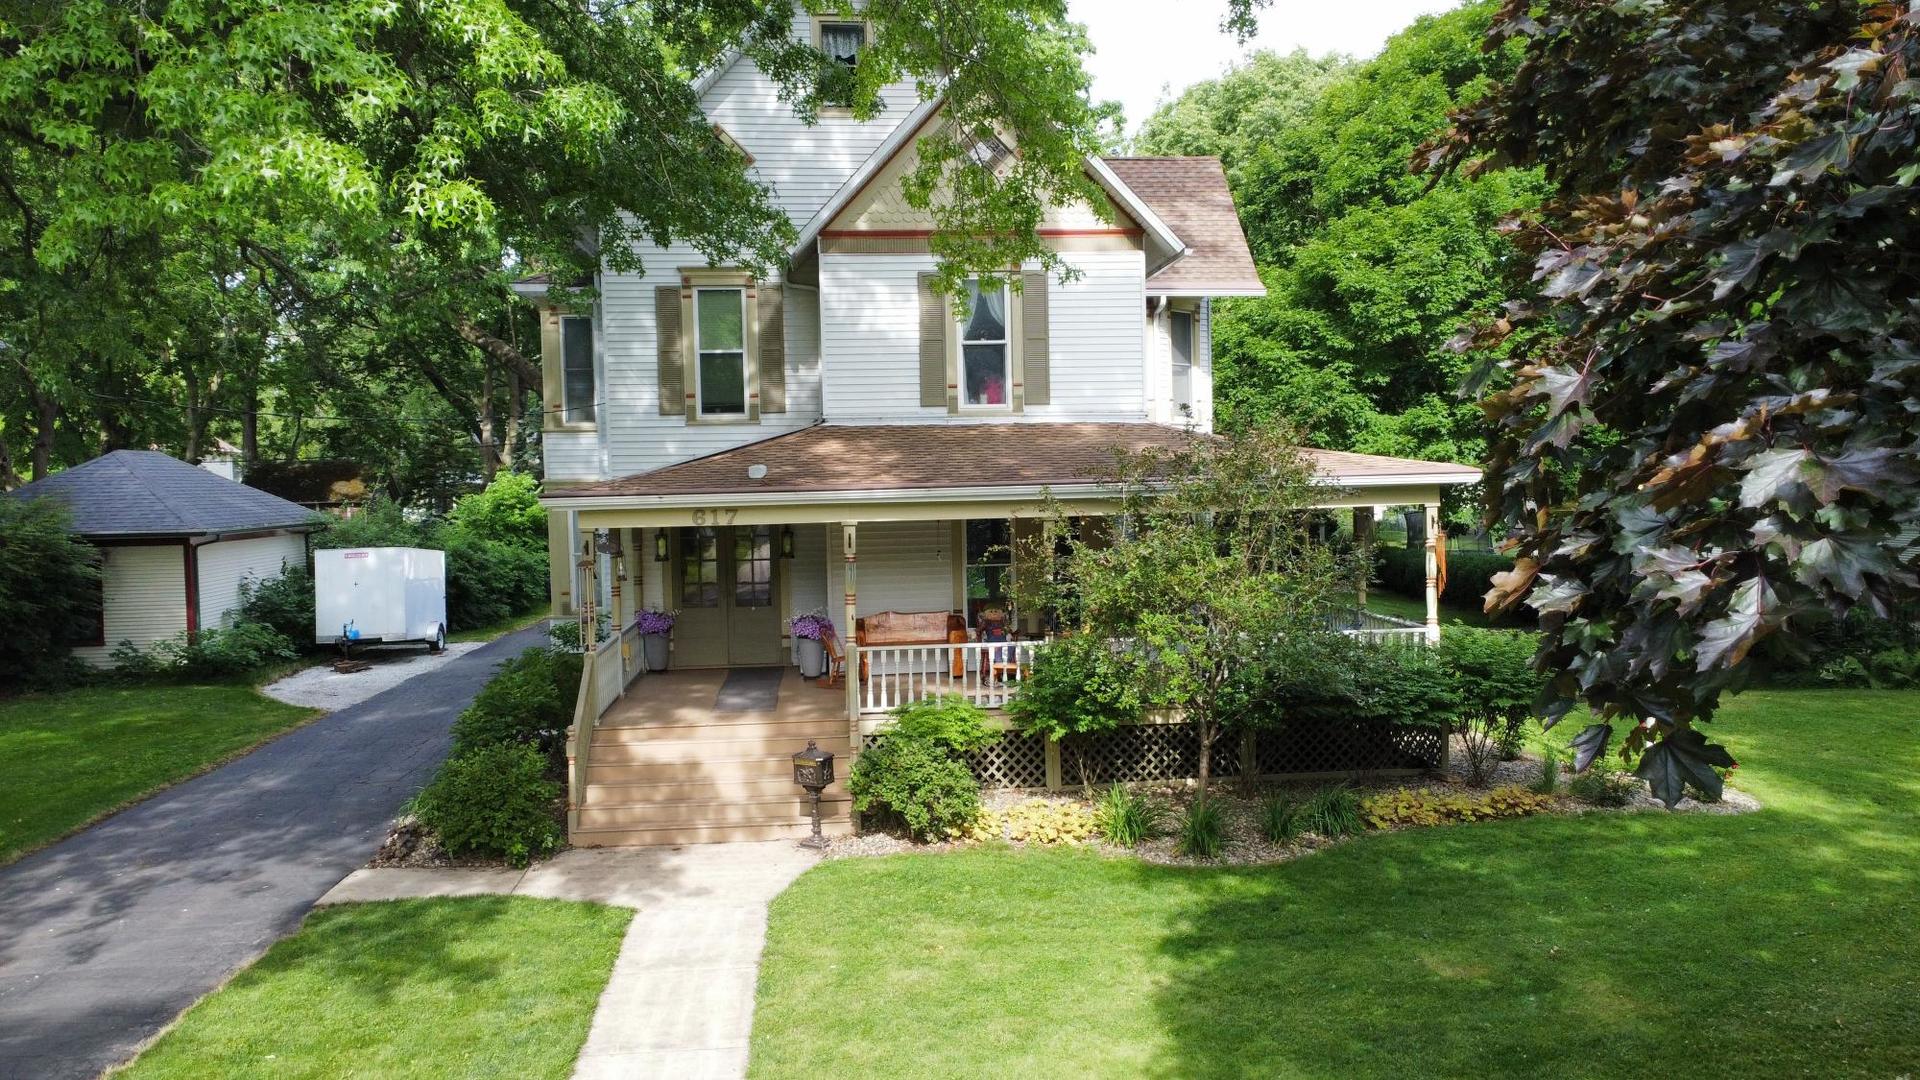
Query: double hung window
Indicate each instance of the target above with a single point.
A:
(720, 351)
(578, 391)
(985, 376)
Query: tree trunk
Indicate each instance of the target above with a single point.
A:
(489, 452)
(9, 479)
(46, 413)
(250, 425)
(1208, 732)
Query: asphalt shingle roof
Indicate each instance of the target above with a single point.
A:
(1190, 194)
(147, 493)
(883, 457)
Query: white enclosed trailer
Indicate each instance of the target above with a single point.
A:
(382, 595)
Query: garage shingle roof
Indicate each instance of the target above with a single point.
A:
(147, 493)
(1190, 194)
(891, 457)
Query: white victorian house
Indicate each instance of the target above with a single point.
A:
(832, 439)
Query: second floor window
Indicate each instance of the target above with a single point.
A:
(1181, 329)
(720, 351)
(577, 387)
(984, 347)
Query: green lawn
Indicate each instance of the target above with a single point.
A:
(1385, 602)
(1780, 943)
(68, 758)
(472, 987)
(504, 627)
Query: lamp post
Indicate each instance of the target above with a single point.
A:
(813, 770)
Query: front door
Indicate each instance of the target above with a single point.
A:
(727, 594)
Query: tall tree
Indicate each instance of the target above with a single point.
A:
(1250, 106)
(1720, 445)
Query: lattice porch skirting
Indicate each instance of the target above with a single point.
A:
(1147, 752)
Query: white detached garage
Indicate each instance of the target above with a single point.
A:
(175, 543)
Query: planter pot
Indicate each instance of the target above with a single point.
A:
(655, 648)
(813, 658)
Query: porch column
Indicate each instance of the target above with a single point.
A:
(559, 564)
(622, 597)
(589, 598)
(852, 678)
(1363, 533)
(1433, 570)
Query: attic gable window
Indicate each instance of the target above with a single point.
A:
(843, 41)
(987, 151)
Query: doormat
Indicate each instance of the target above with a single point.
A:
(753, 689)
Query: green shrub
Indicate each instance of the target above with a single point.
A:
(284, 602)
(1331, 811)
(1425, 807)
(1334, 679)
(565, 634)
(508, 510)
(949, 721)
(493, 800)
(1280, 818)
(1126, 818)
(1547, 782)
(490, 578)
(528, 701)
(1078, 687)
(1202, 830)
(49, 593)
(1494, 686)
(920, 782)
(1469, 575)
(1598, 787)
(218, 653)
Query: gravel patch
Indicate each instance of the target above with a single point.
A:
(1244, 846)
(320, 687)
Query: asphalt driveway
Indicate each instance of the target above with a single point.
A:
(107, 935)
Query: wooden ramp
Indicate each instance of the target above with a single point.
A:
(667, 769)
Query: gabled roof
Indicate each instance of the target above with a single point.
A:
(147, 493)
(903, 457)
(1190, 194)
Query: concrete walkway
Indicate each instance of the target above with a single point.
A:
(107, 935)
(680, 1001)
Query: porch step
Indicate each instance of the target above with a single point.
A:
(717, 770)
(761, 810)
(704, 834)
(748, 727)
(702, 788)
(696, 751)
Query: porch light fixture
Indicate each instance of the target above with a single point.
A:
(786, 541)
(813, 770)
(660, 545)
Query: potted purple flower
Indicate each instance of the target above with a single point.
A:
(809, 630)
(653, 627)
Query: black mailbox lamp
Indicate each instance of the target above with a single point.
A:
(813, 770)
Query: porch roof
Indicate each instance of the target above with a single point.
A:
(886, 458)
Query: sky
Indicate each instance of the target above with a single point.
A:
(1142, 55)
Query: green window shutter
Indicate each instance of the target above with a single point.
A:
(933, 345)
(672, 366)
(1035, 339)
(773, 351)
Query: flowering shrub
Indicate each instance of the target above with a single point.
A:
(650, 621)
(812, 626)
(1427, 807)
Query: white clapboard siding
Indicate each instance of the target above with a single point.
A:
(870, 332)
(807, 575)
(144, 588)
(903, 566)
(571, 455)
(225, 564)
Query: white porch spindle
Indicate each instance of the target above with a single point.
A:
(1433, 570)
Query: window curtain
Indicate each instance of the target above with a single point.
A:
(987, 319)
(843, 41)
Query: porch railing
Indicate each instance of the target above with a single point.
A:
(1381, 629)
(989, 672)
(602, 680)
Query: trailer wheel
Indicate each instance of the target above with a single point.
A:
(439, 642)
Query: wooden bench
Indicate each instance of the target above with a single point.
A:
(911, 628)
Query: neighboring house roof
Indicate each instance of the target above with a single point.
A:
(147, 493)
(1190, 194)
(896, 457)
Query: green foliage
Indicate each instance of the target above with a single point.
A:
(212, 653)
(1495, 689)
(918, 781)
(1724, 427)
(1078, 685)
(1548, 780)
(1202, 830)
(1331, 811)
(1428, 807)
(493, 800)
(1599, 787)
(948, 721)
(1327, 678)
(508, 509)
(1126, 817)
(1215, 564)
(1280, 820)
(490, 578)
(283, 602)
(49, 591)
(529, 701)
(1469, 574)
(1250, 106)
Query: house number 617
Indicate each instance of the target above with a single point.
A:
(715, 517)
